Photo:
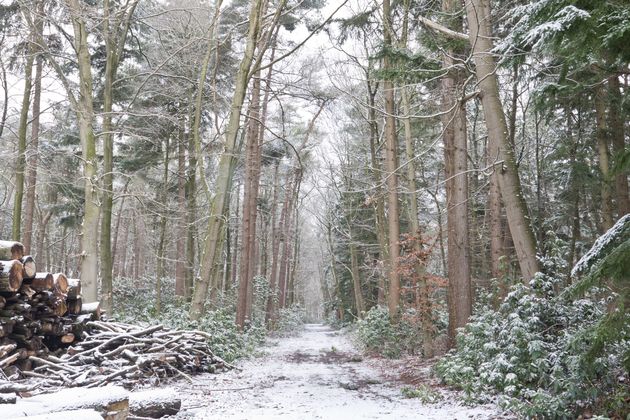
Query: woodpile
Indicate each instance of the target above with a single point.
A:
(39, 312)
(50, 339)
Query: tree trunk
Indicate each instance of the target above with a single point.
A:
(379, 207)
(356, 278)
(250, 198)
(275, 245)
(225, 169)
(85, 116)
(617, 132)
(602, 149)
(20, 165)
(422, 293)
(456, 176)
(478, 16)
(180, 265)
(391, 165)
(31, 183)
(161, 271)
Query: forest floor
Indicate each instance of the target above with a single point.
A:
(320, 375)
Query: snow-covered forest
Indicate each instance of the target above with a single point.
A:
(444, 181)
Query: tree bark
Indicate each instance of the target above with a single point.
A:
(31, 181)
(391, 165)
(85, 116)
(422, 293)
(225, 169)
(250, 198)
(478, 17)
(379, 207)
(21, 149)
(617, 132)
(456, 176)
(161, 270)
(602, 149)
(180, 265)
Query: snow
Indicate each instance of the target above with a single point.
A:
(67, 415)
(68, 399)
(619, 232)
(318, 375)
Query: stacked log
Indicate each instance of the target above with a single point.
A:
(39, 312)
(50, 339)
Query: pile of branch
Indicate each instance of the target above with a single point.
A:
(48, 336)
(128, 355)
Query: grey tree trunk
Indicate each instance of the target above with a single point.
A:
(391, 166)
(602, 149)
(224, 172)
(478, 17)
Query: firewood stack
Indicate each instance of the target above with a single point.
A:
(39, 312)
(50, 339)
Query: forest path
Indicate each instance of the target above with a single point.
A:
(316, 375)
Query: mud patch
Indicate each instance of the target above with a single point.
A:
(326, 357)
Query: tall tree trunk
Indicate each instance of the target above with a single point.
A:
(379, 207)
(617, 132)
(5, 88)
(182, 231)
(21, 150)
(356, 277)
(85, 116)
(117, 227)
(225, 169)
(191, 213)
(391, 165)
(161, 271)
(285, 234)
(478, 16)
(602, 149)
(456, 176)
(412, 197)
(275, 245)
(31, 181)
(250, 198)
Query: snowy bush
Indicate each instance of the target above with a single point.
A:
(376, 334)
(290, 321)
(531, 352)
(134, 303)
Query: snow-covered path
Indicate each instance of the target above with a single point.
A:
(317, 375)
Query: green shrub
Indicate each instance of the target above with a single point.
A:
(135, 303)
(424, 393)
(376, 334)
(290, 321)
(532, 353)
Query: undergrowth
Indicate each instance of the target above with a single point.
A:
(531, 354)
(135, 303)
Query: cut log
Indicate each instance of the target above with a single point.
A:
(29, 269)
(93, 309)
(10, 250)
(67, 338)
(69, 414)
(74, 288)
(155, 403)
(10, 276)
(41, 281)
(61, 283)
(112, 402)
(75, 305)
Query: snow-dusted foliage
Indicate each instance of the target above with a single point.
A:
(530, 354)
(619, 233)
(377, 334)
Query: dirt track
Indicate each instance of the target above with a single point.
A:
(317, 375)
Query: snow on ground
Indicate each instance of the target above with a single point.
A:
(317, 375)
